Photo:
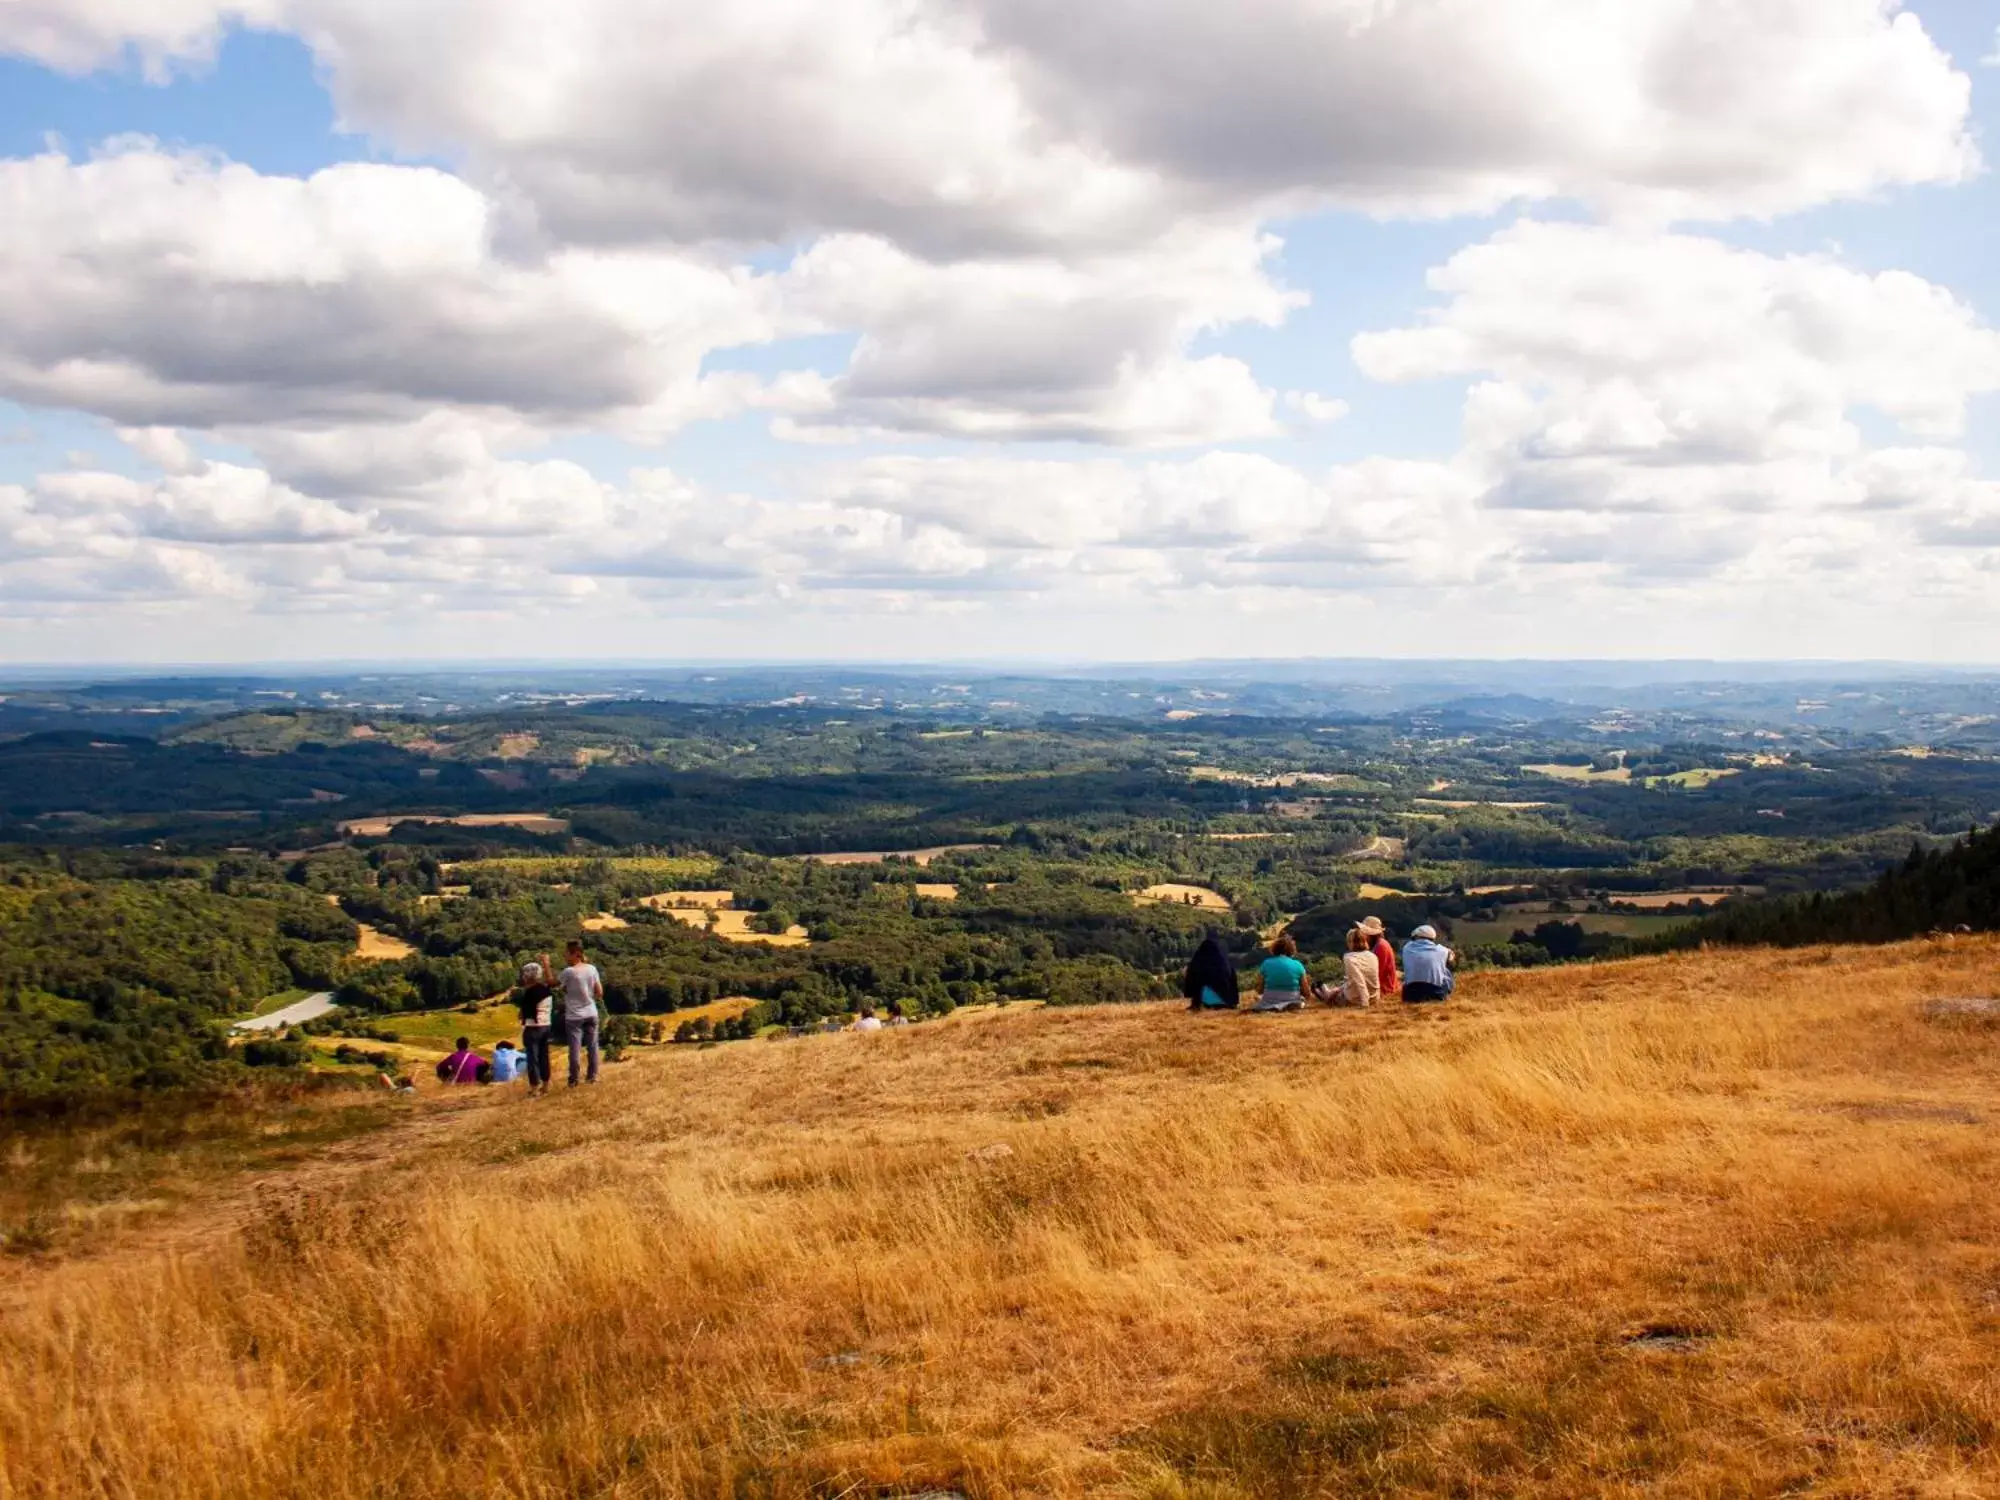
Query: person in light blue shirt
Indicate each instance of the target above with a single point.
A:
(508, 1062)
(1284, 978)
(1427, 976)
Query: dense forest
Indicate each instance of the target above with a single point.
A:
(1933, 890)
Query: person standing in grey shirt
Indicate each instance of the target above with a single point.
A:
(582, 991)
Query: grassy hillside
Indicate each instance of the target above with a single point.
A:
(1673, 1226)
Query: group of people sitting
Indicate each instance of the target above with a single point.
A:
(1368, 973)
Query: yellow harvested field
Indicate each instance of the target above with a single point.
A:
(1370, 891)
(936, 892)
(1585, 1231)
(605, 921)
(376, 828)
(1493, 890)
(1656, 900)
(1181, 895)
(875, 857)
(373, 944)
(671, 900)
(1239, 838)
(517, 746)
(735, 926)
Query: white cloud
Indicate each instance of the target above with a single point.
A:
(1029, 220)
(363, 318)
(170, 289)
(78, 35)
(1314, 407)
(1656, 406)
(973, 127)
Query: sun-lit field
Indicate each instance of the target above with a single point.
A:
(879, 856)
(1668, 1227)
(1708, 895)
(709, 910)
(369, 943)
(530, 822)
(936, 890)
(1579, 773)
(1182, 895)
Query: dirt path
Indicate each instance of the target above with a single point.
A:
(1378, 847)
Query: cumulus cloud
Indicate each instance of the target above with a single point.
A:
(78, 35)
(165, 289)
(969, 127)
(980, 128)
(1023, 221)
(172, 289)
(1658, 406)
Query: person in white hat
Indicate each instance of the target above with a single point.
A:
(1385, 956)
(1427, 976)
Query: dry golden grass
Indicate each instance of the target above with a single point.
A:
(1111, 1252)
(936, 890)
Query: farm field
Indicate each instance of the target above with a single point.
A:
(687, 900)
(370, 943)
(936, 890)
(734, 926)
(376, 828)
(1578, 773)
(1170, 894)
(1280, 779)
(877, 856)
(1598, 1230)
(1710, 895)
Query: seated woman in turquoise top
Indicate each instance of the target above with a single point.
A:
(1284, 978)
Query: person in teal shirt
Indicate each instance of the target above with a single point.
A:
(1284, 977)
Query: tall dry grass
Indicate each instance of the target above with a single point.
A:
(1682, 1226)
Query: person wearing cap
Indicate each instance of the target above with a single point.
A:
(1427, 976)
(1385, 956)
(535, 1000)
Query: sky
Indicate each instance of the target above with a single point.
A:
(940, 329)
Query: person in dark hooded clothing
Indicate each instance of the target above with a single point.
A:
(1210, 982)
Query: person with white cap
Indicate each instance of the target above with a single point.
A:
(1427, 976)
(1385, 956)
(535, 1001)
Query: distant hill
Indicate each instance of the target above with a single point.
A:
(1933, 890)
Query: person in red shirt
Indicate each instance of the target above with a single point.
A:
(1385, 956)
